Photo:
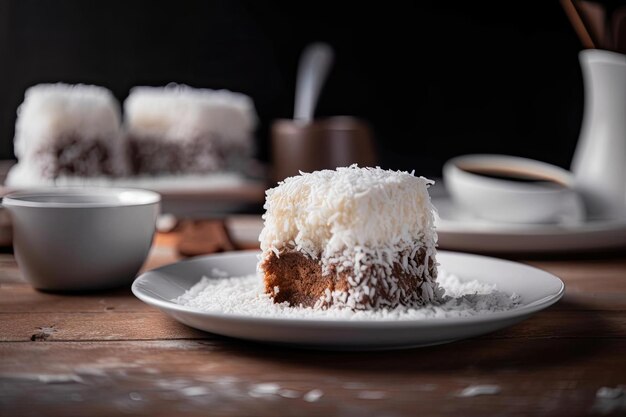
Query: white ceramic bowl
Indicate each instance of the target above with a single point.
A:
(511, 201)
(75, 239)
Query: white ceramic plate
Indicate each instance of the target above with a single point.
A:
(537, 289)
(190, 195)
(458, 230)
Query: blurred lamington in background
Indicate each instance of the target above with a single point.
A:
(178, 129)
(67, 130)
(73, 135)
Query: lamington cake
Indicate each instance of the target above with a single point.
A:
(68, 130)
(360, 238)
(178, 129)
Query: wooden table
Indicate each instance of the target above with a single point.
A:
(108, 353)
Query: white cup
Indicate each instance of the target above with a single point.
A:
(74, 239)
(552, 199)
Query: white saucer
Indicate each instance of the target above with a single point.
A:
(537, 290)
(458, 230)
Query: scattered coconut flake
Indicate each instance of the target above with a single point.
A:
(313, 395)
(289, 393)
(166, 223)
(135, 396)
(218, 273)
(265, 389)
(59, 378)
(610, 393)
(610, 400)
(194, 391)
(475, 390)
(245, 296)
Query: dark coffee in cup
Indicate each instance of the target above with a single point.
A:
(512, 175)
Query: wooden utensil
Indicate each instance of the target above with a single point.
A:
(580, 19)
(201, 237)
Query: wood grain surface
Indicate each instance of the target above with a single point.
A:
(107, 353)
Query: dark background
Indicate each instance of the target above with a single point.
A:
(435, 80)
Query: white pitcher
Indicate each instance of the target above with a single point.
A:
(599, 163)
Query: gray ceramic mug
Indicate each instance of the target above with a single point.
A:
(74, 239)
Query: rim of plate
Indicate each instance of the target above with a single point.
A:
(434, 322)
(450, 225)
(61, 197)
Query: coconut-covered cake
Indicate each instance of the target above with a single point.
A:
(361, 238)
(179, 129)
(67, 130)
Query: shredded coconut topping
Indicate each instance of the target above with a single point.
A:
(51, 112)
(179, 112)
(362, 220)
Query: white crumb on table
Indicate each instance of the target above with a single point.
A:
(218, 273)
(475, 390)
(313, 395)
(610, 393)
(289, 393)
(610, 400)
(245, 296)
(195, 391)
(166, 223)
(135, 396)
(58, 378)
(268, 388)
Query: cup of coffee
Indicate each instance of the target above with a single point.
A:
(75, 239)
(512, 189)
(321, 144)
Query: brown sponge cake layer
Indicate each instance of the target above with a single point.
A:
(297, 279)
(73, 155)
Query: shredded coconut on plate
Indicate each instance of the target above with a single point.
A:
(245, 296)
